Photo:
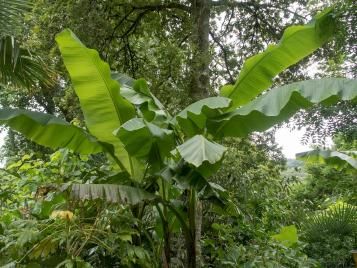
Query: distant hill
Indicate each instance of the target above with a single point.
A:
(293, 163)
(294, 168)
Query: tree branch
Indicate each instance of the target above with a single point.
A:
(225, 56)
(159, 7)
(230, 3)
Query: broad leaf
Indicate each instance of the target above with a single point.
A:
(297, 42)
(214, 193)
(186, 179)
(103, 107)
(281, 103)
(201, 153)
(49, 131)
(332, 158)
(111, 193)
(137, 92)
(287, 236)
(192, 119)
(139, 137)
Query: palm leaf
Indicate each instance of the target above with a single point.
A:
(340, 220)
(297, 42)
(280, 104)
(103, 107)
(11, 14)
(19, 67)
(50, 131)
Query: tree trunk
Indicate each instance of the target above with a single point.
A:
(193, 246)
(191, 238)
(198, 230)
(200, 14)
(167, 248)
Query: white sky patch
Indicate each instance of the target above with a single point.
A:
(290, 141)
(2, 137)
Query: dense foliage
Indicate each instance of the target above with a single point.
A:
(140, 182)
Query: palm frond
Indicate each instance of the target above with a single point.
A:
(341, 220)
(19, 67)
(11, 14)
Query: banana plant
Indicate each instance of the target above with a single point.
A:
(335, 159)
(128, 123)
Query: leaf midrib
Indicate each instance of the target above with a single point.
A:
(105, 82)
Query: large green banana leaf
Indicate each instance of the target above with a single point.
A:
(297, 42)
(198, 150)
(111, 193)
(193, 118)
(103, 107)
(49, 131)
(281, 103)
(141, 137)
(332, 158)
(201, 153)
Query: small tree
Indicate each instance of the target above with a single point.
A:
(151, 147)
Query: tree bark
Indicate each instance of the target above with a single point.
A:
(198, 231)
(200, 14)
(191, 249)
(193, 246)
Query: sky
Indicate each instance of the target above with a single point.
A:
(290, 141)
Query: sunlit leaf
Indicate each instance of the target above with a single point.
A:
(287, 236)
(103, 107)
